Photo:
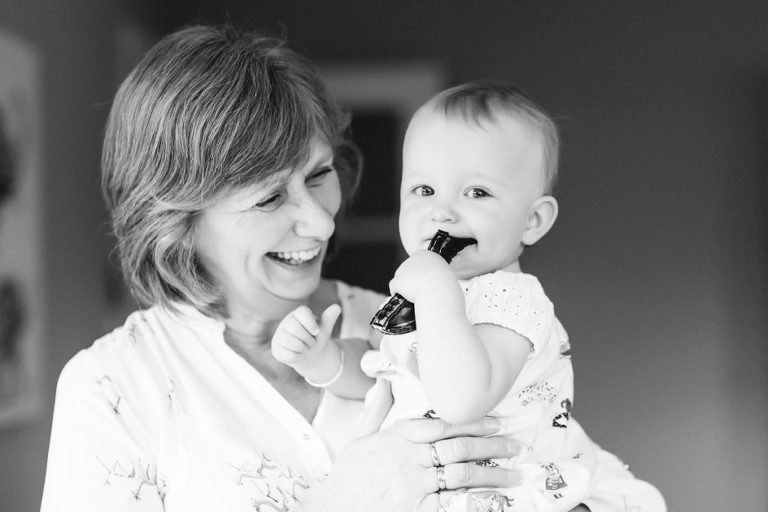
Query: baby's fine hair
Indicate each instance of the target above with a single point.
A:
(480, 101)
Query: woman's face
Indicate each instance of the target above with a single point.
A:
(266, 243)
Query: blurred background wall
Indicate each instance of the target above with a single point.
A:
(658, 264)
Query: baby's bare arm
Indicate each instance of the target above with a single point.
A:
(466, 370)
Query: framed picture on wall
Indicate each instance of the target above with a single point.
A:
(22, 288)
(380, 98)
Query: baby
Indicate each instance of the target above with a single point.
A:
(479, 161)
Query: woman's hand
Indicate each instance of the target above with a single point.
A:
(395, 470)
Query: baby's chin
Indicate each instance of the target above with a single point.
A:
(411, 248)
(463, 271)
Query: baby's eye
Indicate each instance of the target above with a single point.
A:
(423, 190)
(477, 193)
(319, 176)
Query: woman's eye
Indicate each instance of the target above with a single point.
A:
(319, 176)
(270, 203)
(477, 193)
(423, 190)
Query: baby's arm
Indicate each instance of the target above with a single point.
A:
(466, 370)
(306, 346)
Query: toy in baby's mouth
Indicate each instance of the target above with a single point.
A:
(397, 315)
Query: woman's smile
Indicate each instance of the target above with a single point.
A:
(296, 258)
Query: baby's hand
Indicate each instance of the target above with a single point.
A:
(422, 271)
(302, 343)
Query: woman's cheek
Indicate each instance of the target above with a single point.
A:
(335, 193)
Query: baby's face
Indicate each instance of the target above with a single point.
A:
(470, 180)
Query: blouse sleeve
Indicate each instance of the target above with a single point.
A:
(512, 300)
(99, 456)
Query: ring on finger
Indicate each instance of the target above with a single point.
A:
(433, 453)
(441, 485)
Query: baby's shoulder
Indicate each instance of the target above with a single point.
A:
(515, 301)
(506, 295)
(506, 286)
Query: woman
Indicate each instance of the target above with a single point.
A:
(224, 165)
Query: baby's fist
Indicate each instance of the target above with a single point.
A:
(300, 341)
(421, 271)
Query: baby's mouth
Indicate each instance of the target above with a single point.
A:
(448, 246)
(295, 257)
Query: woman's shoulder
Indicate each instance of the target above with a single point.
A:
(108, 354)
(134, 352)
(140, 328)
(116, 390)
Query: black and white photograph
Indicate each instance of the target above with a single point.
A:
(355, 255)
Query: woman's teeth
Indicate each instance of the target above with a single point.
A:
(295, 257)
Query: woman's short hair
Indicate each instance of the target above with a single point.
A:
(207, 111)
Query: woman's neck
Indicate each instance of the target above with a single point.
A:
(251, 338)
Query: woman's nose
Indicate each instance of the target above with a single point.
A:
(313, 219)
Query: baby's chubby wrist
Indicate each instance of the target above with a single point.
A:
(437, 287)
(323, 366)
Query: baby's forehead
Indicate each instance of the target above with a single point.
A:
(502, 135)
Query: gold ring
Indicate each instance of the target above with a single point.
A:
(441, 485)
(433, 453)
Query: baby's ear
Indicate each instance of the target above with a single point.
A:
(541, 217)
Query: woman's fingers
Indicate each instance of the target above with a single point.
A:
(469, 475)
(466, 449)
(427, 430)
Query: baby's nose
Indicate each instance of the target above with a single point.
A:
(443, 212)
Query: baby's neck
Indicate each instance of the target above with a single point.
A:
(513, 268)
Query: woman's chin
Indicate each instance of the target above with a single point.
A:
(292, 279)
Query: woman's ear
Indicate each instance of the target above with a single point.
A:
(541, 217)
